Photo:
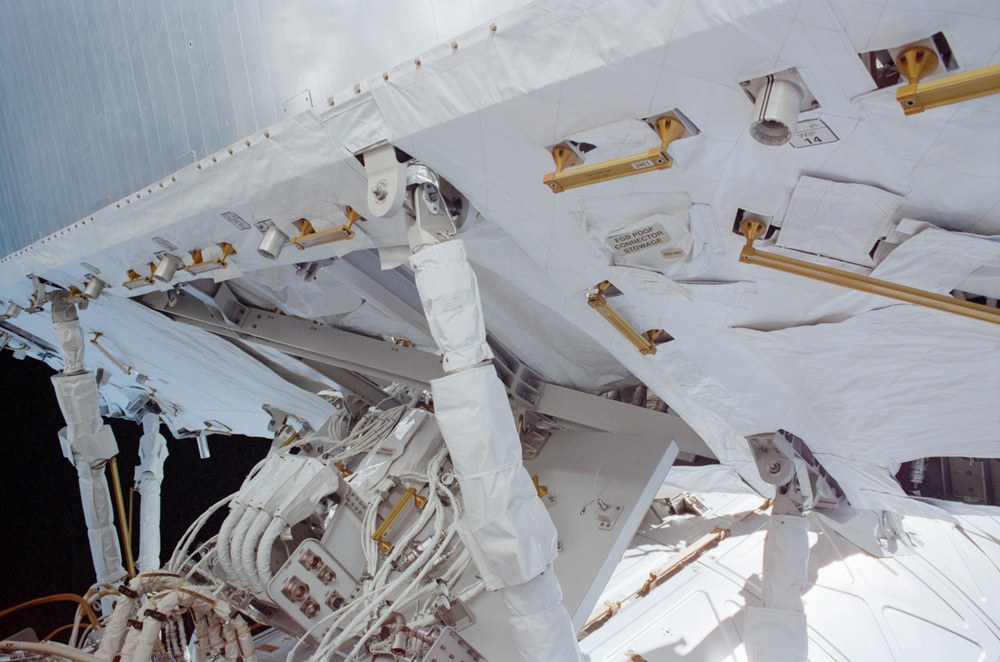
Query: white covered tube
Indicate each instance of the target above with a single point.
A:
(117, 626)
(236, 544)
(540, 622)
(777, 631)
(223, 547)
(155, 616)
(201, 630)
(66, 324)
(505, 525)
(70, 337)
(245, 640)
(149, 476)
(248, 550)
(274, 529)
(232, 647)
(450, 297)
(99, 516)
(89, 444)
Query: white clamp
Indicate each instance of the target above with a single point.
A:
(386, 181)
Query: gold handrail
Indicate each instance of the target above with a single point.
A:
(753, 228)
(411, 494)
(309, 236)
(566, 176)
(916, 97)
(644, 342)
(123, 527)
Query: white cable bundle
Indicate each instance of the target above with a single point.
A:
(407, 588)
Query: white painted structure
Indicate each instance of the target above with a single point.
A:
(132, 129)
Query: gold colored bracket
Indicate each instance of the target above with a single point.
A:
(385, 546)
(752, 229)
(566, 176)
(76, 295)
(308, 236)
(121, 366)
(137, 280)
(644, 342)
(541, 490)
(163, 405)
(201, 265)
(916, 97)
(218, 427)
(915, 62)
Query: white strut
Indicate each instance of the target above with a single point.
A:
(87, 443)
(505, 526)
(149, 476)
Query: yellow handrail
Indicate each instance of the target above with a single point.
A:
(566, 176)
(753, 228)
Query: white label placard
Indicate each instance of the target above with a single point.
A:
(164, 243)
(236, 220)
(638, 240)
(809, 133)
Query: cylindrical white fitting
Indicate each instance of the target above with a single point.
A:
(94, 287)
(776, 111)
(167, 267)
(272, 242)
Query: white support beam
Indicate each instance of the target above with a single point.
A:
(376, 294)
(408, 365)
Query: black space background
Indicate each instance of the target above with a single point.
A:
(43, 538)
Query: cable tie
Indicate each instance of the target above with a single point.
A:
(158, 615)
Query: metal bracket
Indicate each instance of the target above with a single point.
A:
(916, 97)
(39, 296)
(121, 366)
(547, 497)
(566, 155)
(386, 181)
(201, 265)
(449, 646)
(522, 383)
(379, 536)
(456, 616)
(137, 280)
(645, 343)
(607, 515)
(773, 462)
(753, 229)
(431, 221)
(279, 418)
(533, 437)
(309, 236)
(221, 303)
(783, 459)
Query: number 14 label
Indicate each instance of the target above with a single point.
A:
(809, 133)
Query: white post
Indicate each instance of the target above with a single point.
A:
(149, 476)
(87, 443)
